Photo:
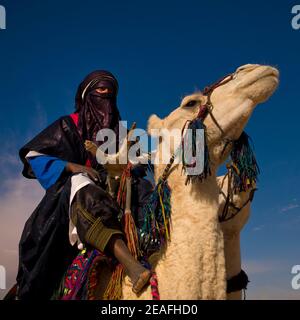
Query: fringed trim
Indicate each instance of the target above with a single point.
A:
(157, 218)
(244, 166)
(131, 234)
(124, 200)
(190, 146)
(121, 197)
(114, 288)
(94, 276)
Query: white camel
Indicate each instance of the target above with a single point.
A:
(192, 265)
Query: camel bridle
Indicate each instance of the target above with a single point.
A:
(229, 204)
(204, 111)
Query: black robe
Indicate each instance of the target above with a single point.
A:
(44, 249)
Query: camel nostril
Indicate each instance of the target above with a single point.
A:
(241, 69)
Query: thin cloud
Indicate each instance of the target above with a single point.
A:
(258, 228)
(19, 196)
(264, 266)
(290, 207)
(19, 200)
(272, 293)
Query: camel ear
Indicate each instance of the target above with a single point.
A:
(154, 122)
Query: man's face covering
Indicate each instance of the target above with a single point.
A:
(96, 104)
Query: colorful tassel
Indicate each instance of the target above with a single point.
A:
(157, 218)
(244, 166)
(189, 147)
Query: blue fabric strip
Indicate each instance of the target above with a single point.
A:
(47, 169)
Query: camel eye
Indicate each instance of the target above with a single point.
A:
(191, 103)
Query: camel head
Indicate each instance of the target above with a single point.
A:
(232, 105)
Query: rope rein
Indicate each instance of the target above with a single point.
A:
(229, 199)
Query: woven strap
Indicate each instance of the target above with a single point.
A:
(154, 287)
(238, 282)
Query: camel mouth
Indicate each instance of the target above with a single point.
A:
(271, 73)
(264, 73)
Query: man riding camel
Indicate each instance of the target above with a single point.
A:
(76, 208)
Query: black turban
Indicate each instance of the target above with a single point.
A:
(97, 110)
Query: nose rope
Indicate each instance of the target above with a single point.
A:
(208, 92)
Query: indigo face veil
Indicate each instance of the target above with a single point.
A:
(97, 110)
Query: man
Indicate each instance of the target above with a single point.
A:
(76, 208)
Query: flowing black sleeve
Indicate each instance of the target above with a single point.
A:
(61, 139)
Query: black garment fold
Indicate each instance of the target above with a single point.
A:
(44, 249)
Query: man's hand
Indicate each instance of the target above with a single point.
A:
(77, 168)
(91, 147)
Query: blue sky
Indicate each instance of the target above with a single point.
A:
(161, 51)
